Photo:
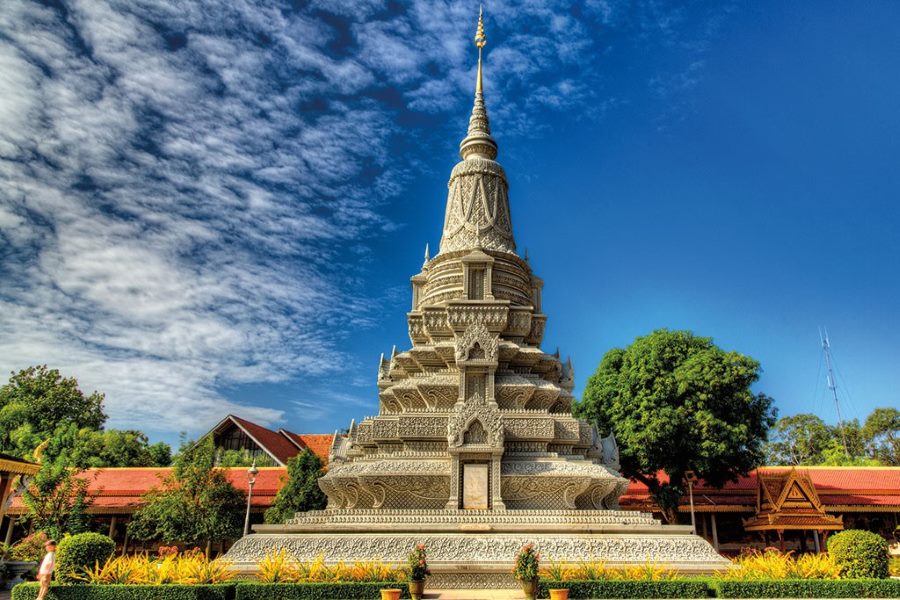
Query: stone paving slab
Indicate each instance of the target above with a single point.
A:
(473, 595)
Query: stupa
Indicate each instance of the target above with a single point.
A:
(475, 451)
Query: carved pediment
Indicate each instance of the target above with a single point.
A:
(475, 420)
(477, 343)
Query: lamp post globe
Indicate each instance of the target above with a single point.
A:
(252, 472)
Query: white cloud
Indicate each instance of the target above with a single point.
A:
(184, 186)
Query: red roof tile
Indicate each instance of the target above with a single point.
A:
(120, 488)
(273, 442)
(865, 486)
(318, 443)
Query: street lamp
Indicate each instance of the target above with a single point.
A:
(252, 472)
(691, 477)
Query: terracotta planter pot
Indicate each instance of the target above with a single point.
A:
(530, 588)
(390, 594)
(559, 594)
(416, 589)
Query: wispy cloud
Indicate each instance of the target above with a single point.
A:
(185, 187)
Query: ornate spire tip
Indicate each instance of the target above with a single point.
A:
(480, 39)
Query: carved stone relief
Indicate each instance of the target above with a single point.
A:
(477, 408)
(476, 334)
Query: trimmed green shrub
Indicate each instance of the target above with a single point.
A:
(609, 588)
(859, 554)
(29, 591)
(315, 591)
(81, 551)
(808, 588)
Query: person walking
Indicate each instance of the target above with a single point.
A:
(45, 573)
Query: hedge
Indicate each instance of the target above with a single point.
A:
(859, 554)
(674, 588)
(29, 591)
(678, 588)
(81, 551)
(316, 591)
(808, 588)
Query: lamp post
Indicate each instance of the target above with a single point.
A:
(252, 472)
(691, 477)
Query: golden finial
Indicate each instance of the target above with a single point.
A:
(480, 41)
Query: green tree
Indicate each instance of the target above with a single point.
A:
(798, 440)
(301, 492)
(118, 448)
(194, 505)
(676, 403)
(847, 447)
(56, 499)
(38, 400)
(882, 434)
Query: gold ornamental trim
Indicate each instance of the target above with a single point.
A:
(18, 467)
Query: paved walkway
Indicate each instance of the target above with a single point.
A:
(4, 594)
(473, 595)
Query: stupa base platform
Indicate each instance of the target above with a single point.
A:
(476, 549)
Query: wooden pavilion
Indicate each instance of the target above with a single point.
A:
(788, 501)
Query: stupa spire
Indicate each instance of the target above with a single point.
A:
(477, 216)
(478, 141)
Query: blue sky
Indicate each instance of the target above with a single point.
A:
(216, 207)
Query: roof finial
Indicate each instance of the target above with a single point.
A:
(480, 42)
(479, 143)
(427, 255)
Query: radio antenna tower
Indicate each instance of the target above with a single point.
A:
(829, 377)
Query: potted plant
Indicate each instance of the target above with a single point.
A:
(390, 594)
(527, 565)
(24, 558)
(418, 571)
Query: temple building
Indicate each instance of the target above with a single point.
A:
(474, 450)
(263, 446)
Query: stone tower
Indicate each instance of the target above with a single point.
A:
(474, 415)
(474, 451)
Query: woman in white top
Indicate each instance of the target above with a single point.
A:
(45, 573)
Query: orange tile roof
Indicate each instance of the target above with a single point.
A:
(121, 489)
(836, 486)
(318, 443)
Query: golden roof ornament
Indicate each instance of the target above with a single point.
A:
(478, 142)
(480, 42)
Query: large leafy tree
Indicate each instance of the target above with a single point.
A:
(119, 448)
(677, 403)
(882, 434)
(301, 492)
(38, 405)
(194, 505)
(37, 401)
